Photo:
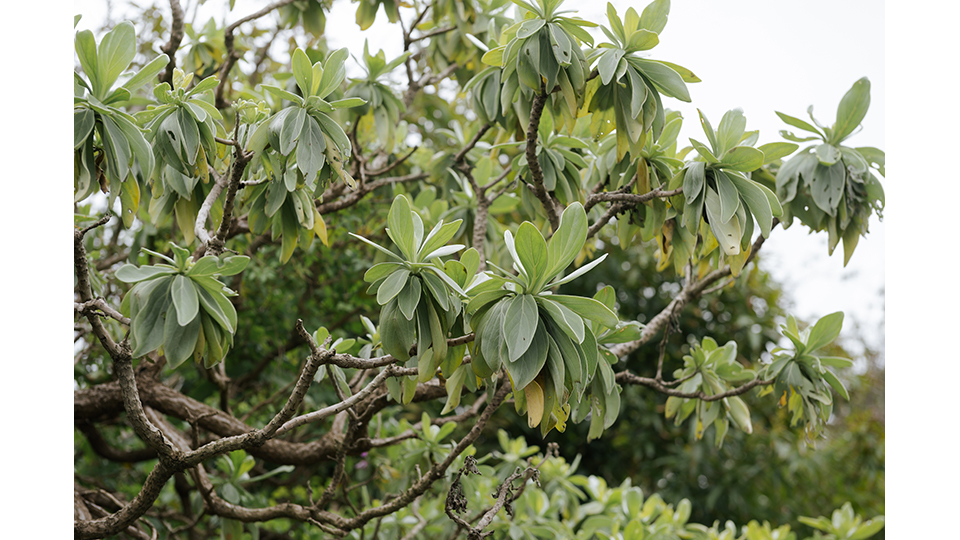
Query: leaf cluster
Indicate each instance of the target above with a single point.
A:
(803, 380)
(829, 185)
(181, 307)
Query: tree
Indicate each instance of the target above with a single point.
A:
(516, 132)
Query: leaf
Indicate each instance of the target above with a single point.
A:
(568, 239)
(798, 123)
(493, 57)
(129, 273)
(729, 196)
(825, 331)
(529, 28)
(408, 298)
(828, 154)
(730, 130)
(397, 333)
(561, 44)
(310, 149)
(439, 235)
(146, 73)
(742, 158)
(740, 413)
(532, 250)
(664, 78)
(520, 321)
(588, 308)
(704, 152)
(526, 368)
(727, 233)
(776, 150)
(115, 53)
(282, 94)
(534, 396)
(608, 64)
(528, 63)
(392, 286)
(333, 72)
(853, 108)
(836, 383)
(454, 386)
(693, 180)
(756, 200)
(579, 271)
(380, 271)
(218, 308)
(643, 40)
(302, 71)
(654, 16)
(347, 103)
(86, 47)
(290, 132)
(83, 122)
(827, 186)
(179, 341)
(400, 226)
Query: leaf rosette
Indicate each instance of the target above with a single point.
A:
(546, 342)
(828, 185)
(181, 308)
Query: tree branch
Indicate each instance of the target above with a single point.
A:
(536, 174)
(176, 36)
(691, 291)
(432, 475)
(625, 377)
(231, 53)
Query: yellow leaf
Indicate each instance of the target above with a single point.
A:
(320, 227)
(129, 200)
(534, 395)
(737, 261)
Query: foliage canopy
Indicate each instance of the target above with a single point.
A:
(461, 193)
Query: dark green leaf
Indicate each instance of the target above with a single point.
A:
(519, 324)
(409, 297)
(528, 366)
(179, 341)
(185, 299)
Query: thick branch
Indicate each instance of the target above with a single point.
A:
(104, 450)
(691, 291)
(536, 174)
(240, 160)
(632, 198)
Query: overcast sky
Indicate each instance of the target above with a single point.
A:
(758, 55)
